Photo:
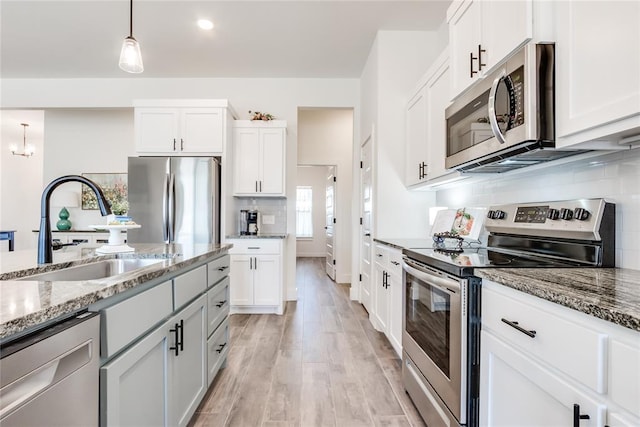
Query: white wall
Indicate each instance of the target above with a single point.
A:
(280, 97)
(615, 177)
(85, 141)
(325, 137)
(316, 178)
(20, 177)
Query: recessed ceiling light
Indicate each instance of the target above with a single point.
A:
(205, 24)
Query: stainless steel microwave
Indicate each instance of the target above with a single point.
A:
(506, 120)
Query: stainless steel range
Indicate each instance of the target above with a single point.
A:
(441, 336)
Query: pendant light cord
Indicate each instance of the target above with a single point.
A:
(130, 18)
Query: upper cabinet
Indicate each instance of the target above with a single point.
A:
(482, 34)
(181, 127)
(259, 150)
(426, 127)
(597, 71)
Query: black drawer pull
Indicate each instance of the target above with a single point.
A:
(221, 303)
(222, 346)
(515, 325)
(223, 268)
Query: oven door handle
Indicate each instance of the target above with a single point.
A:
(449, 286)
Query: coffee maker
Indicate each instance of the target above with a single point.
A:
(249, 222)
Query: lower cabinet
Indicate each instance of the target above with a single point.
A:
(387, 294)
(543, 364)
(256, 276)
(161, 379)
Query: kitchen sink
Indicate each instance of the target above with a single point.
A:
(94, 270)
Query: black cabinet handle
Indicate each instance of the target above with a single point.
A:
(256, 186)
(181, 335)
(471, 59)
(378, 255)
(181, 144)
(176, 339)
(260, 186)
(480, 52)
(250, 263)
(221, 303)
(577, 416)
(515, 325)
(174, 144)
(255, 263)
(395, 263)
(222, 346)
(420, 171)
(367, 234)
(223, 268)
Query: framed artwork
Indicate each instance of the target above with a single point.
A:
(113, 185)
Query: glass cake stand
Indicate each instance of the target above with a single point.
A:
(116, 242)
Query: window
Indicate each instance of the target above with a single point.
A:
(304, 212)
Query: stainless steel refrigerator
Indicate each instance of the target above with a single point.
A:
(175, 199)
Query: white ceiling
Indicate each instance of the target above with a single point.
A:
(322, 39)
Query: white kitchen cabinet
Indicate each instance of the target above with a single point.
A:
(256, 276)
(482, 34)
(387, 291)
(78, 237)
(539, 359)
(426, 128)
(259, 151)
(181, 127)
(597, 69)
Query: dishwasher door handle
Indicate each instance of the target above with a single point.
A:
(35, 382)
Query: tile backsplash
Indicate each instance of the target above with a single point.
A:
(275, 207)
(614, 177)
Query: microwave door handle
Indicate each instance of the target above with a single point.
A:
(493, 119)
(445, 285)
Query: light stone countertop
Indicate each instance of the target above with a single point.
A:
(27, 305)
(611, 294)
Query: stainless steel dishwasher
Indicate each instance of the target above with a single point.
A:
(50, 378)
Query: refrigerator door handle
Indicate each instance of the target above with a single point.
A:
(165, 209)
(172, 208)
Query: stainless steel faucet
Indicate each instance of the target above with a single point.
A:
(45, 251)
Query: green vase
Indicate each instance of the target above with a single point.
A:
(64, 224)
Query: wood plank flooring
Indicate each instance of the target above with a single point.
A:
(320, 364)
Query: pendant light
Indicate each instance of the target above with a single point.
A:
(130, 56)
(27, 150)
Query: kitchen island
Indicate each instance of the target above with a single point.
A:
(27, 305)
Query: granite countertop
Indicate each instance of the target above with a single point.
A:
(258, 236)
(28, 304)
(406, 243)
(611, 294)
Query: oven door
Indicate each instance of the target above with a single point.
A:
(434, 334)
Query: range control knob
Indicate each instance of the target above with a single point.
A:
(498, 214)
(490, 214)
(581, 214)
(553, 214)
(566, 214)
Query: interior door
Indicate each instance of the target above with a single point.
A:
(330, 207)
(366, 198)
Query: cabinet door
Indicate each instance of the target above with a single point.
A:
(506, 25)
(246, 160)
(241, 286)
(381, 298)
(134, 387)
(395, 309)
(416, 154)
(515, 390)
(202, 130)
(597, 64)
(437, 95)
(272, 166)
(464, 38)
(266, 283)
(156, 130)
(188, 368)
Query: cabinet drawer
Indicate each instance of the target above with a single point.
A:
(124, 322)
(217, 305)
(188, 286)
(255, 246)
(573, 349)
(217, 269)
(217, 350)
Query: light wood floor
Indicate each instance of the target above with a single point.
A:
(320, 364)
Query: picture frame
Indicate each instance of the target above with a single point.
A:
(113, 185)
